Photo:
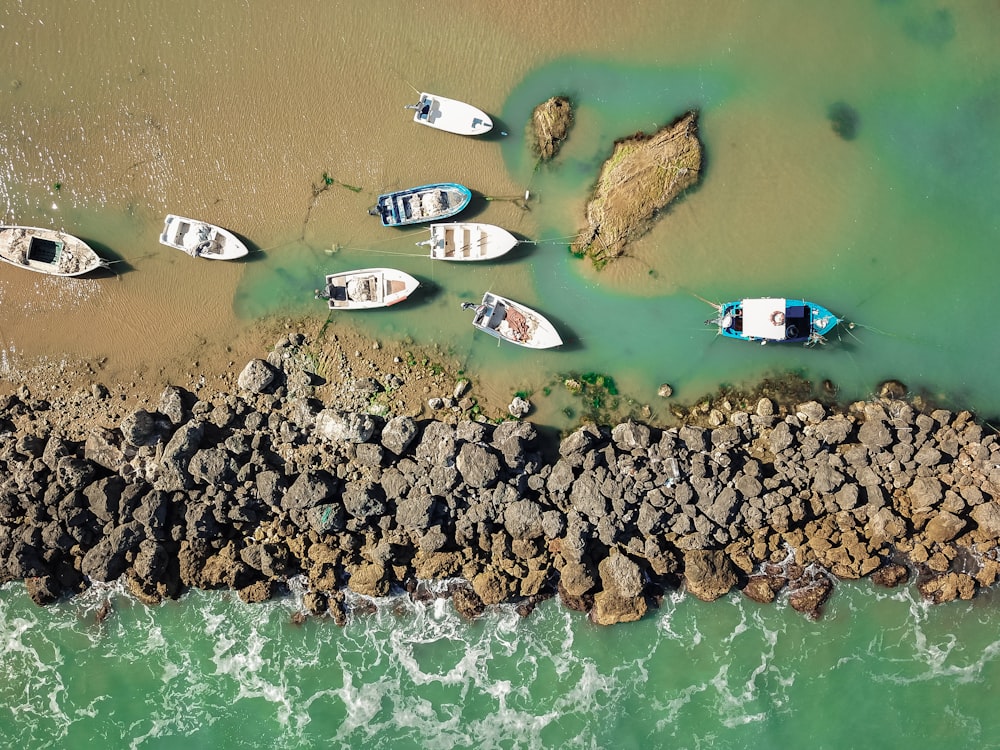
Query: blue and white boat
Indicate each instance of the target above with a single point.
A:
(422, 204)
(775, 319)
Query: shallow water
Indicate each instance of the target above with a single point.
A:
(235, 113)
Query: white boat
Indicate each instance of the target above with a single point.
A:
(367, 288)
(47, 251)
(511, 321)
(449, 114)
(468, 241)
(201, 240)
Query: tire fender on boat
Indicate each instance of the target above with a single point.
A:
(778, 318)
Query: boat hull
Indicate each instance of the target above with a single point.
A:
(775, 319)
(47, 251)
(200, 239)
(423, 204)
(511, 321)
(450, 115)
(464, 241)
(367, 288)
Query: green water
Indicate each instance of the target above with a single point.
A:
(893, 228)
(879, 670)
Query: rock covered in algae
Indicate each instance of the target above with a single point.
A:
(550, 124)
(644, 174)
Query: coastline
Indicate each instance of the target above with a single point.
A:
(326, 460)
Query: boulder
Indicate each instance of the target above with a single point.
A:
(256, 377)
(708, 574)
(478, 465)
(398, 434)
(947, 587)
(103, 447)
(809, 594)
(523, 519)
(345, 428)
(493, 587)
(172, 404)
(944, 527)
(890, 575)
(550, 124)
(369, 579)
(311, 488)
(139, 428)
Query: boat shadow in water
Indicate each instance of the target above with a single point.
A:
(115, 264)
(498, 132)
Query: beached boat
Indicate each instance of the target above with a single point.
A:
(421, 204)
(775, 319)
(511, 321)
(451, 115)
(47, 251)
(468, 241)
(201, 240)
(366, 288)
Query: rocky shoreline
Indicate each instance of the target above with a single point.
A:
(248, 487)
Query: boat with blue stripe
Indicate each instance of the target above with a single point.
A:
(775, 319)
(422, 204)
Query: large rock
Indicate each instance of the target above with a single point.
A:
(311, 488)
(345, 428)
(944, 527)
(709, 574)
(256, 377)
(398, 434)
(139, 428)
(523, 519)
(478, 465)
(550, 124)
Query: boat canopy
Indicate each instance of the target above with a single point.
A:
(764, 318)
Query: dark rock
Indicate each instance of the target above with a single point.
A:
(364, 500)
(139, 428)
(809, 593)
(890, 575)
(311, 488)
(213, 466)
(467, 603)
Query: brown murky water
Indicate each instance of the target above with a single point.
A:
(120, 112)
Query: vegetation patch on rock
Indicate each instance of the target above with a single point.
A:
(643, 176)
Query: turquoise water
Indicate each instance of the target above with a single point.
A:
(879, 670)
(893, 228)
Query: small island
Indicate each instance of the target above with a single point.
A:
(644, 175)
(550, 124)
